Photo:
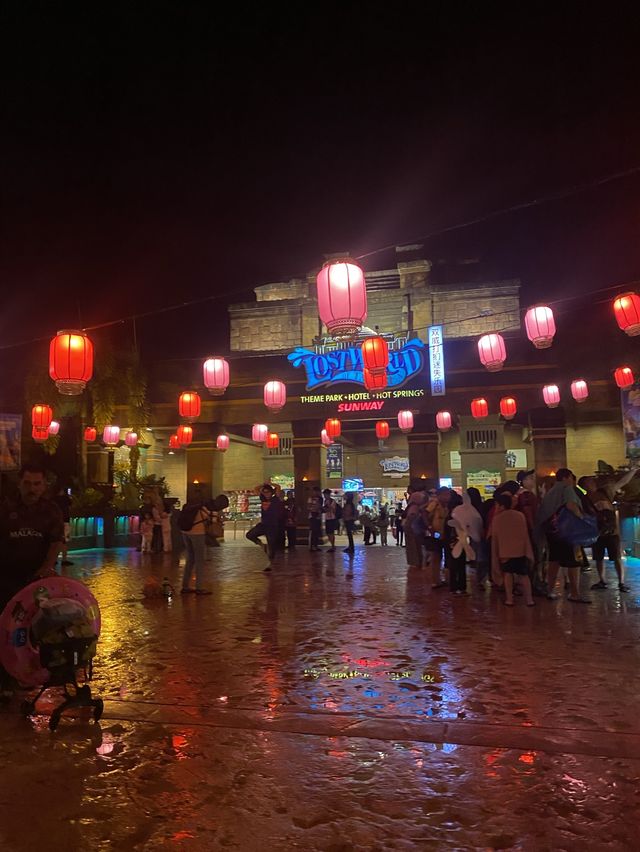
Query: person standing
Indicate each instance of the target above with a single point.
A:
(165, 518)
(330, 511)
(146, 531)
(456, 544)
(269, 525)
(414, 538)
(368, 525)
(314, 509)
(291, 520)
(194, 539)
(435, 516)
(349, 518)
(383, 524)
(511, 548)
(398, 519)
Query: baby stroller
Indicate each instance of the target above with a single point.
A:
(48, 637)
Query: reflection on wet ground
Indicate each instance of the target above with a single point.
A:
(310, 709)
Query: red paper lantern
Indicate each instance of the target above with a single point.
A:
(326, 440)
(624, 377)
(275, 395)
(508, 407)
(479, 408)
(382, 430)
(405, 420)
(111, 435)
(174, 443)
(272, 440)
(342, 296)
(374, 381)
(333, 427)
(215, 373)
(90, 434)
(492, 351)
(627, 310)
(41, 415)
(185, 435)
(222, 443)
(40, 433)
(579, 390)
(71, 361)
(551, 395)
(54, 427)
(259, 433)
(189, 405)
(444, 420)
(375, 354)
(131, 439)
(540, 326)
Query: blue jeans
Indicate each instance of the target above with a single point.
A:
(194, 546)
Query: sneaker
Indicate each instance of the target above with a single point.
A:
(623, 588)
(599, 585)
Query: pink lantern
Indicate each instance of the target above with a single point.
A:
(405, 420)
(492, 351)
(326, 440)
(54, 427)
(540, 326)
(215, 373)
(111, 435)
(131, 439)
(551, 395)
(222, 443)
(342, 296)
(275, 395)
(579, 390)
(444, 421)
(259, 433)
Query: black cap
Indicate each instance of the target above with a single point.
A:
(523, 474)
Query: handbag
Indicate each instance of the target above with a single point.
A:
(578, 532)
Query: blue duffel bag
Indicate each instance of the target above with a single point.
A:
(580, 532)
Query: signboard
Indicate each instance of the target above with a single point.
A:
(352, 485)
(332, 361)
(515, 459)
(10, 443)
(456, 460)
(436, 360)
(334, 461)
(395, 466)
(631, 421)
(285, 482)
(486, 481)
(361, 401)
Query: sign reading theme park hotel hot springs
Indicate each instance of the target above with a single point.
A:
(333, 362)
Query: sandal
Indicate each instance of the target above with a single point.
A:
(579, 600)
(599, 585)
(506, 603)
(623, 588)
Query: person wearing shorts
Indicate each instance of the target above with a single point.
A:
(331, 523)
(511, 548)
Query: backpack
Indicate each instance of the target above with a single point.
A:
(187, 516)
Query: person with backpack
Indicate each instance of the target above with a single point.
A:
(270, 523)
(193, 522)
(600, 500)
(331, 518)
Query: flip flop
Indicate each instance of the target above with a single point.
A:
(506, 603)
(579, 600)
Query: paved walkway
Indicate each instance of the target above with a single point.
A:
(311, 710)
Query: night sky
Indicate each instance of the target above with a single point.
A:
(153, 154)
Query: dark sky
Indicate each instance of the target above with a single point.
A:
(156, 153)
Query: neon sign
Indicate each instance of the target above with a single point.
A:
(334, 361)
(436, 360)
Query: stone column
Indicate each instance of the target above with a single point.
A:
(204, 464)
(549, 448)
(423, 444)
(307, 457)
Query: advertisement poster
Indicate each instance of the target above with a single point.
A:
(334, 461)
(10, 431)
(486, 481)
(631, 421)
(515, 459)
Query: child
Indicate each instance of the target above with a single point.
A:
(165, 518)
(146, 528)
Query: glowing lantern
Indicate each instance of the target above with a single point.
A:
(551, 395)
(479, 408)
(111, 435)
(259, 433)
(374, 381)
(508, 407)
(579, 390)
(627, 310)
(624, 377)
(185, 435)
(382, 430)
(90, 434)
(189, 405)
(54, 427)
(405, 421)
(492, 351)
(444, 420)
(375, 354)
(131, 439)
(222, 443)
(540, 326)
(71, 361)
(342, 296)
(333, 427)
(40, 434)
(41, 415)
(275, 395)
(215, 373)
(272, 440)
(174, 443)
(326, 440)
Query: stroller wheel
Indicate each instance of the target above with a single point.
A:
(27, 707)
(98, 709)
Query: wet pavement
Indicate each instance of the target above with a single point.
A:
(335, 705)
